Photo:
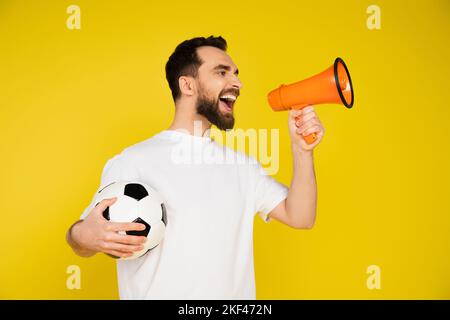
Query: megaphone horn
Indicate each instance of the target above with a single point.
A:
(333, 85)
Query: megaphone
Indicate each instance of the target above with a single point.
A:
(333, 85)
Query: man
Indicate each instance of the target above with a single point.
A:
(207, 251)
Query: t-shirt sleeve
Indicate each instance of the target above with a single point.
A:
(268, 192)
(116, 169)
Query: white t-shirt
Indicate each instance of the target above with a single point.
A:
(211, 194)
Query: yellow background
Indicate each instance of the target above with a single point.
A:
(71, 99)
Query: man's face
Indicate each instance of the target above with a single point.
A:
(218, 87)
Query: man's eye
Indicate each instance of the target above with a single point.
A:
(222, 73)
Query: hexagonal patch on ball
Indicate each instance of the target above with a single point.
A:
(135, 191)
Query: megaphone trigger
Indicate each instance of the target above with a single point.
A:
(310, 138)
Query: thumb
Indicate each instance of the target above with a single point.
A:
(105, 203)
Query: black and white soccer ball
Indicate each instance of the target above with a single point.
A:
(136, 202)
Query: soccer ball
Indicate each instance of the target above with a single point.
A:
(136, 202)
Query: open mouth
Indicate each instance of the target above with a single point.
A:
(227, 102)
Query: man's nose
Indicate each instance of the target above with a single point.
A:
(237, 83)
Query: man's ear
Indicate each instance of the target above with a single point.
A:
(187, 85)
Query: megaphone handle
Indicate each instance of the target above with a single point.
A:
(310, 138)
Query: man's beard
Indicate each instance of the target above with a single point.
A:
(210, 109)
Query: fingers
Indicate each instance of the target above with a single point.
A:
(293, 113)
(121, 246)
(309, 122)
(296, 113)
(125, 239)
(313, 129)
(124, 226)
(307, 110)
(126, 248)
(307, 117)
(118, 254)
(105, 203)
(306, 126)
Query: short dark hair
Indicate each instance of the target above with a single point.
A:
(184, 61)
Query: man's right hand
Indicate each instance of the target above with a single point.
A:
(96, 234)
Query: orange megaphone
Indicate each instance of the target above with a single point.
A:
(333, 85)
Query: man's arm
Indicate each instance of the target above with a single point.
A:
(76, 247)
(298, 210)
